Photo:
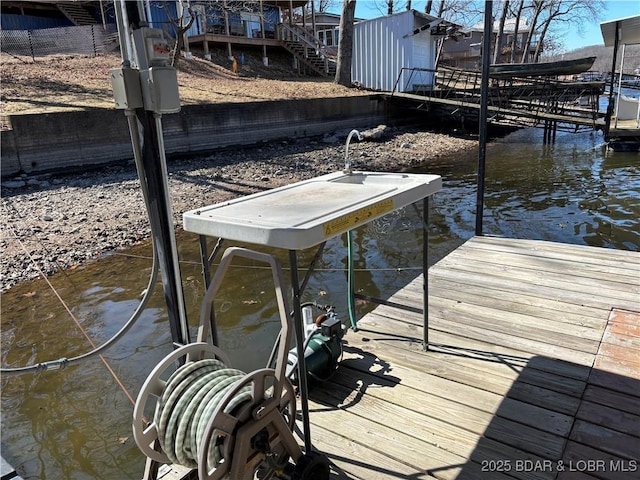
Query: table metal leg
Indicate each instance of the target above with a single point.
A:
(206, 275)
(302, 369)
(425, 272)
(204, 255)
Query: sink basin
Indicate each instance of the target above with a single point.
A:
(306, 213)
(374, 178)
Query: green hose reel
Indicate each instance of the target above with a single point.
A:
(223, 422)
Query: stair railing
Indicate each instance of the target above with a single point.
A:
(308, 41)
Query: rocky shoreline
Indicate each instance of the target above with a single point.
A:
(54, 222)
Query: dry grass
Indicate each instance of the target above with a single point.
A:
(55, 84)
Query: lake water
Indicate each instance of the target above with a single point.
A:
(76, 423)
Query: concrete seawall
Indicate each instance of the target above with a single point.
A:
(57, 141)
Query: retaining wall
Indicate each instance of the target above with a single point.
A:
(56, 141)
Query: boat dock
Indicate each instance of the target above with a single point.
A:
(533, 371)
(542, 101)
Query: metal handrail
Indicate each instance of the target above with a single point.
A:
(303, 36)
(412, 70)
(537, 99)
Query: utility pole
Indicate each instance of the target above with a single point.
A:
(482, 122)
(146, 87)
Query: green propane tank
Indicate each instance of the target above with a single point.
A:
(323, 347)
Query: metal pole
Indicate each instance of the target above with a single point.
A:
(302, 367)
(146, 135)
(482, 125)
(620, 83)
(616, 41)
(204, 255)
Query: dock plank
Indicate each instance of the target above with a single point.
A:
(610, 398)
(610, 441)
(505, 345)
(460, 362)
(557, 250)
(581, 458)
(533, 357)
(519, 352)
(439, 417)
(543, 279)
(612, 278)
(557, 293)
(501, 300)
(610, 417)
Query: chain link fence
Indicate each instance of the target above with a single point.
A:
(82, 40)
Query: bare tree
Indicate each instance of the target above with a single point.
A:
(538, 7)
(497, 49)
(428, 6)
(345, 43)
(464, 12)
(574, 13)
(325, 5)
(321, 6)
(516, 29)
(389, 7)
(180, 28)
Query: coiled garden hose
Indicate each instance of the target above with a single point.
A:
(190, 397)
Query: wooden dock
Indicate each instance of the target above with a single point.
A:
(533, 371)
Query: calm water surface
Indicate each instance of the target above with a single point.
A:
(76, 423)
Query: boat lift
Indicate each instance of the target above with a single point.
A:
(208, 415)
(624, 133)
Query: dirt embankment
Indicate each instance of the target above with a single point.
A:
(54, 84)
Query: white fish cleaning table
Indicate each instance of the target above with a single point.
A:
(306, 214)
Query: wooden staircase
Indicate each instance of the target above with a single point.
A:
(308, 50)
(76, 13)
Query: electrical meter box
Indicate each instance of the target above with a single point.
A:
(154, 86)
(152, 49)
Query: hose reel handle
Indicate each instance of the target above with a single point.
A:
(204, 328)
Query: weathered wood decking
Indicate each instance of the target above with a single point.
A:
(533, 372)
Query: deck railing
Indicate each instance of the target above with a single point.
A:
(293, 33)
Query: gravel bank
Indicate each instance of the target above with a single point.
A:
(54, 222)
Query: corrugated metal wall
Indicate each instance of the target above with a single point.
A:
(383, 46)
(9, 21)
(159, 17)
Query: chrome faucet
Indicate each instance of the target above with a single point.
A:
(347, 163)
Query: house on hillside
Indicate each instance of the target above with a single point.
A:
(398, 51)
(465, 51)
(326, 26)
(39, 28)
